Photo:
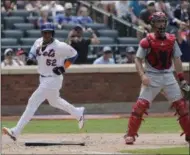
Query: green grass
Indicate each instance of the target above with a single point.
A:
(151, 125)
(176, 150)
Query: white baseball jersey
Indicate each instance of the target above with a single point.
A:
(54, 55)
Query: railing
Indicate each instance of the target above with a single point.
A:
(125, 28)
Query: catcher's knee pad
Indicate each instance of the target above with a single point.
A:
(136, 116)
(180, 107)
(140, 107)
(184, 120)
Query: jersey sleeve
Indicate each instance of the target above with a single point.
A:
(176, 50)
(2, 64)
(68, 53)
(141, 52)
(32, 53)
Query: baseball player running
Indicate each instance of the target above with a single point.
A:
(159, 49)
(52, 57)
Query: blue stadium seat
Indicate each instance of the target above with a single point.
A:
(87, 34)
(61, 39)
(27, 41)
(33, 33)
(21, 13)
(108, 33)
(8, 41)
(96, 26)
(127, 40)
(4, 14)
(61, 33)
(10, 21)
(32, 19)
(68, 26)
(24, 26)
(106, 40)
(12, 34)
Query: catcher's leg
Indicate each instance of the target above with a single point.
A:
(147, 95)
(184, 119)
(135, 120)
(175, 96)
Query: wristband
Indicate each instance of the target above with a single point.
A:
(180, 76)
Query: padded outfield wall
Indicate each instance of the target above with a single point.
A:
(83, 84)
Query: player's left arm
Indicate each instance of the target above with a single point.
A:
(179, 68)
(70, 54)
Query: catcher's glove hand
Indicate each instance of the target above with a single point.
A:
(59, 70)
(30, 61)
(186, 89)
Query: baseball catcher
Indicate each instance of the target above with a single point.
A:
(161, 53)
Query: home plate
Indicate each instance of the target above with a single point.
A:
(38, 143)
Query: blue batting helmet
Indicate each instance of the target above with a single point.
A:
(47, 27)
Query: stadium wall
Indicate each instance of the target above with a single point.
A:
(82, 84)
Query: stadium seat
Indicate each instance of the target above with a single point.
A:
(108, 33)
(21, 13)
(3, 14)
(68, 26)
(61, 39)
(10, 21)
(32, 20)
(61, 33)
(36, 13)
(24, 26)
(27, 41)
(87, 34)
(50, 18)
(127, 40)
(96, 26)
(12, 34)
(106, 40)
(33, 33)
(8, 41)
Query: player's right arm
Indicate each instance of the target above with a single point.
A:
(140, 56)
(32, 54)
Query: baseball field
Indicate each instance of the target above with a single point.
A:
(156, 136)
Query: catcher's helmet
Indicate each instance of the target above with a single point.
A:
(47, 27)
(159, 17)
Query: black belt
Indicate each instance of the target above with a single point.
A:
(46, 76)
(164, 72)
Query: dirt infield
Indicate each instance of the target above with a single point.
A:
(95, 143)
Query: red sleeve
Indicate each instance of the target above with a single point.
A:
(144, 43)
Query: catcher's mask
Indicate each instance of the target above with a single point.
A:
(159, 23)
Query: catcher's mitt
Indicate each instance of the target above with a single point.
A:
(186, 90)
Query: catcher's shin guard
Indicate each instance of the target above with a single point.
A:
(184, 119)
(135, 120)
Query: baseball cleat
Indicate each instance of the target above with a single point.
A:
(129, 140)
(8, 132)
(187, 138)
(81, 120)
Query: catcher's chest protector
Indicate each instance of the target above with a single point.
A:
(161, 51)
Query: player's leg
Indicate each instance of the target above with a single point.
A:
(175, 97)
(33, 103)
(147, 95)
(56, 101)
